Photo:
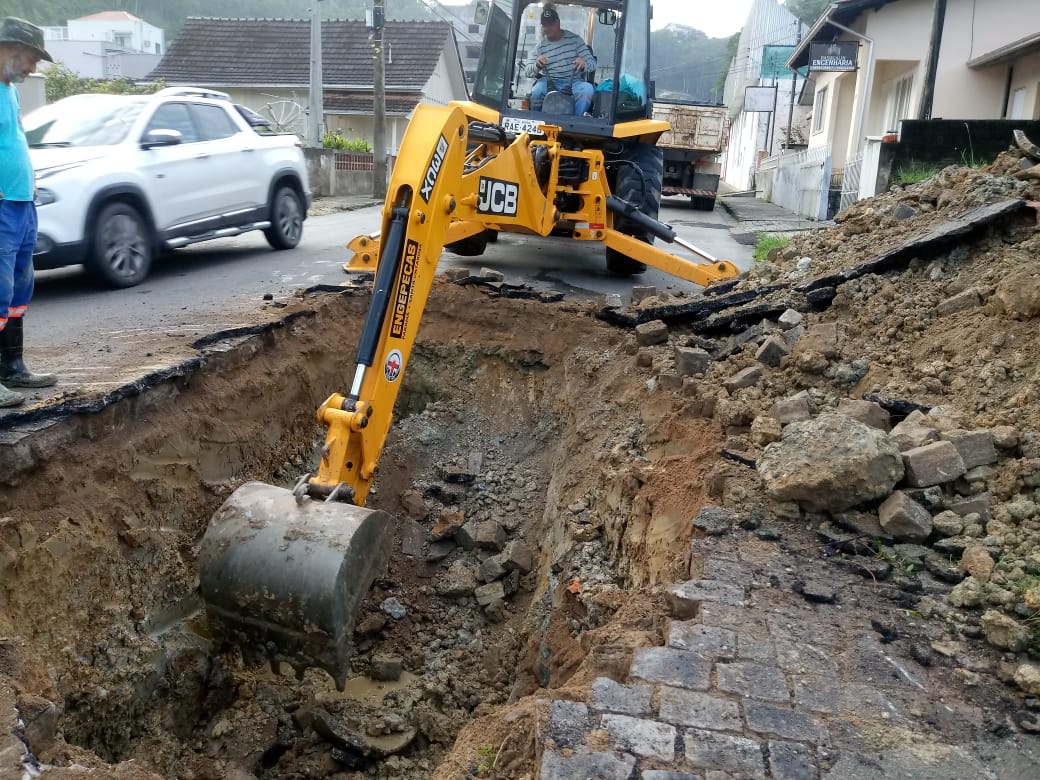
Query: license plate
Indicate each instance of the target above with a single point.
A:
(513, 124)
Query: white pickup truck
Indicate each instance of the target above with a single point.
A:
(692, 149)
(121, 178)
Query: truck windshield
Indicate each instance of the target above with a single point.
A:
(83, 120)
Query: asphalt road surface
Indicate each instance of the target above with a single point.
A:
(219, 284)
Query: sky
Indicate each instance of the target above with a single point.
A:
(714, 18)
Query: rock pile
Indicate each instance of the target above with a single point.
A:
(877, 379)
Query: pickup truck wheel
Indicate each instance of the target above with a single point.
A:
(121, 251)
(638, 181)
(286, 220)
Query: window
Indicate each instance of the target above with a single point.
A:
(174, 116)
(213, 122)
(122, 39)
(899, 102)
(474, 29)
(473, 51)
(819, 111)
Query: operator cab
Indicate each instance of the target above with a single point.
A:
(617, 32)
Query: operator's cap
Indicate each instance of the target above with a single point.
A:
(549, 16)
(15, 30)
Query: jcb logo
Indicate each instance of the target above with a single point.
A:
(498, 197)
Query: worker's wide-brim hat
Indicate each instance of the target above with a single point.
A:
(15, 30)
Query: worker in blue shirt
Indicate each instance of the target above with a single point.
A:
(21, 49)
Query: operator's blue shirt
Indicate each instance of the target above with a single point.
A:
(16, 172)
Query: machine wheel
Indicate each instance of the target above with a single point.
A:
(702, 203)
(121, 254)
(286, 219)
(639, 183)
(473, 246)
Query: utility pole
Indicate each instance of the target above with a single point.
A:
(379, 107)
(316, 116)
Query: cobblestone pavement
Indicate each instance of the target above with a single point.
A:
(759, 679)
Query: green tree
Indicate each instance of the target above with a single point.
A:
(807, 10)
(62, 82)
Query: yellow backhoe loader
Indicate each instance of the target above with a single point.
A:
(282, 572)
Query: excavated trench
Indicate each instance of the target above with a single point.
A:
(532, 482)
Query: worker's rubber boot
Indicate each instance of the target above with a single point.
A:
(12, 368)
(10, 398)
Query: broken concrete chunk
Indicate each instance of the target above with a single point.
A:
(486, 594)
(1019, 293)
(765, 430)
(866, 412)
(830, 463)
(517, 556)
(909, 434)
(650, 333)
(772, 351)
(645, 358)
(691, 360)
(904, 518)
(491, 275)
(490, 536)
(747, 378)
(933, 464)
(456, 274)
(386, 667)
(448, 524)
(978, 505)
(1004, 631)
(491, 569)
(790, 319)
(640, 294)
(824, 338)
(459, 580)
(969, 299)
(612, 301)
(795, 409)
(976, 448)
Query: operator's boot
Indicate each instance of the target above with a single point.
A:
(12, 368)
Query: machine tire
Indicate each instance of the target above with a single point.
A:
(638, 183)
(702, 203)
(473, 246)
(286, 219)
(122, 249)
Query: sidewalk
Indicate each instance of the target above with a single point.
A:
(332, 204)
(758, 216)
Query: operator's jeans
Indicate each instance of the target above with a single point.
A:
(582, 91)
(17, 239)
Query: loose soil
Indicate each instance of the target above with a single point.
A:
(590, 452)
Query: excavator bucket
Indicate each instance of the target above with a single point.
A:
(284, 578)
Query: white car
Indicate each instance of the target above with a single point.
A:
(122, 177)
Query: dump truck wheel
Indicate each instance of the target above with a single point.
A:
(638, 181)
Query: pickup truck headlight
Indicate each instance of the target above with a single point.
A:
(44, 196)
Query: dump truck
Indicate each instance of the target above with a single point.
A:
(692, 149)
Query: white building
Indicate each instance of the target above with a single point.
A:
(769, 34)
(107, 45)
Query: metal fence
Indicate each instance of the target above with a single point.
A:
(850, 182)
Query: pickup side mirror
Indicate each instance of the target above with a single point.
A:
(161, 137)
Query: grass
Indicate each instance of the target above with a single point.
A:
(766, 243)
(914, 173)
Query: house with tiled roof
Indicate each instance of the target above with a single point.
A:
(265, 64)
(107, 45)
